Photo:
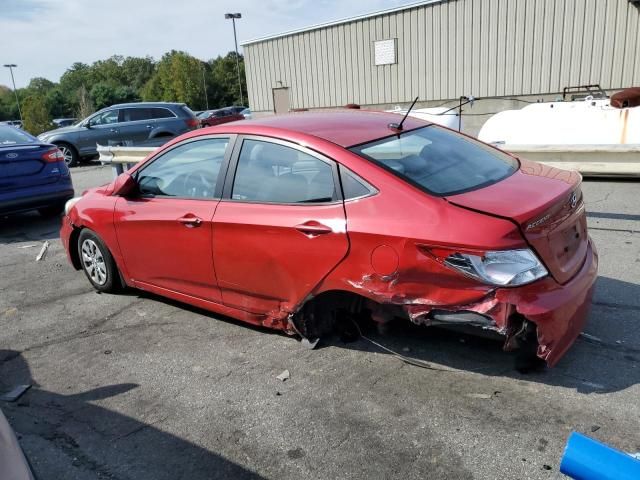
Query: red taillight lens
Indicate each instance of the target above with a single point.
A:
(192, 122)
(52, 156)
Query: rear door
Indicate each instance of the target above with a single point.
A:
(165, 232)
(135, 125)
(280, 228)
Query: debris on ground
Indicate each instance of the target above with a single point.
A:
(10, 311)
(107, 352)
(590, 337)
(28, 246)
(15, 394)
(479, 395)
(43, 251)
(284, 376)
(309, 344)
(595, 428)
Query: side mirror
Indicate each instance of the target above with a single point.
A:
(125, 185)
(87, 124)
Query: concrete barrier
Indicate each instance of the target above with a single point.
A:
(590, 160)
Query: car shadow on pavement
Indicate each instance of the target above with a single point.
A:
(605, 360)
(28, 227)
(70, 436)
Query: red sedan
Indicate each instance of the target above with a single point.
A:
(286, 220)
(211, 118)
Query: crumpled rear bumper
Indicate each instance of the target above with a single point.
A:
(558, 311)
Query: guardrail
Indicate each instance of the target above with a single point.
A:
(589, 160)
(122, 159)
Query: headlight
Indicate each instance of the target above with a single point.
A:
(502, 268)
(70, 203)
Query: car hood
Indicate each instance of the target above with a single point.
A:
(13, 464)
(60, 130)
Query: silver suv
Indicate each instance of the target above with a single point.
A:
(146, 123)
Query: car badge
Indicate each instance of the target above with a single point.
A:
(573, 200)
(12, 155)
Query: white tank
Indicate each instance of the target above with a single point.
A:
(433, 115)
(588, 122)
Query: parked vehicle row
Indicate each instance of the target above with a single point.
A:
(297, 221)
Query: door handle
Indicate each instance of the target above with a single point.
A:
(114, 130)
(313, 228)
(149, 127)
(190, 221)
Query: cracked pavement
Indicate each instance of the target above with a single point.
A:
(133, 386)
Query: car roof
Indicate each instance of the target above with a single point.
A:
(146, 104)
(343, 127)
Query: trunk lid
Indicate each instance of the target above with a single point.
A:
(22, 166)
(547, 205)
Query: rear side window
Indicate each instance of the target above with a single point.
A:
(439, 161)
(187, 171)
(136, 114)
(161, 113)
(353, 186)
(272, 173)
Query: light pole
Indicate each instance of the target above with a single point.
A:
(11, 66)
(233, 17)
(204, 88)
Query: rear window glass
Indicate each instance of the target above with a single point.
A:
(439, 161)
(187, 111)
(13, 136)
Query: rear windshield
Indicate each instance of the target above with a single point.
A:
(13, 136)
(438, 160)
(188, 111)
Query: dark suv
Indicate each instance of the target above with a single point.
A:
(128, 124)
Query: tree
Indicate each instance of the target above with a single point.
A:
(224, 79)
(180, 79)
(84, 105)
(35, 114)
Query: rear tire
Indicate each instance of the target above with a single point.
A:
(97, 262)
(51, 210)
(71, 157)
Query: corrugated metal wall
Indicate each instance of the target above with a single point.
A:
(452, 48)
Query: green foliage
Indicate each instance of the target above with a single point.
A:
(176, 77)
(35, 114)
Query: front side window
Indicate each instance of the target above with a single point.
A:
(439, 161)
(187, 171)
(273, 173)
(105, 118)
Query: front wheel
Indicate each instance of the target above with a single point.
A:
(97, 262)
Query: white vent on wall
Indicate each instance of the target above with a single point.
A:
(385, 51)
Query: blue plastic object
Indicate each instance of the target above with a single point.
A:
(587, 459)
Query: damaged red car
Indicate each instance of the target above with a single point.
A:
(285, 221)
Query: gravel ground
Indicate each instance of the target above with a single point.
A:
(133, 386)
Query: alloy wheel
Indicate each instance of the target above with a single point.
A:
(93, 262)
(68, 156)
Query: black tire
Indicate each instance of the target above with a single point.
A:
(52, 210)
(71, 157)
(97, 263)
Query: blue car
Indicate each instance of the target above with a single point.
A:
(33, 174)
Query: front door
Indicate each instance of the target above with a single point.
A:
(165, 231)
(102, 129)
(281, 100)
(280, 228)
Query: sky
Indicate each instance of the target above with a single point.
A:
(44, 37)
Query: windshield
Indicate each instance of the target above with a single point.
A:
(13, 136)
(439, 161)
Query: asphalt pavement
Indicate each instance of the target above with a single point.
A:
(134, 386)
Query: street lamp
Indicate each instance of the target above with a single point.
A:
(11, 66)
(233, 17)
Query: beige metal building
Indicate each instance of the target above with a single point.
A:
(439, 50)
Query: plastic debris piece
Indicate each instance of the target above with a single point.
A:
(284, 376)
(479, 395)
(43, 251)
(15, 394)
(593, 338)
(28, 246)
(595, 428)
(309, 344)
